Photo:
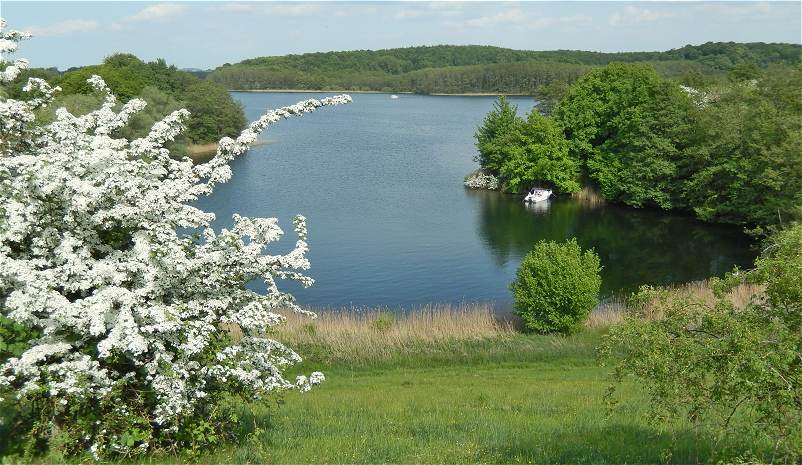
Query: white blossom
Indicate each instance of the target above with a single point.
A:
(481, 180)
(699, 98)
(97, 254)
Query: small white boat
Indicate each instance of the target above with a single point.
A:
(393, 96)
(537, 195)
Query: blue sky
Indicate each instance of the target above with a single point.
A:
(207, 34)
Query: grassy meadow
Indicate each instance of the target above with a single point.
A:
(445, 385)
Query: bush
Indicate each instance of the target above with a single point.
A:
(122, 330)
(557, 286)
(732, 368)
(481, 180)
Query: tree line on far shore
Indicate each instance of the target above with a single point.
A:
(483, 69)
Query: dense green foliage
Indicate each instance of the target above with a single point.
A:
(557, 286)
(712, 361)
(522, 152)
(731, 154)
(744, 162)
(549, 95)
(517, 78)
(214, 112)
(628, 127)
(498, 123)
(472, 68)
(536, 152)
(638, 163)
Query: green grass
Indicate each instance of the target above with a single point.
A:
(516, 399)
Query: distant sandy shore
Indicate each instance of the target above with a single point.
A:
(467, 94)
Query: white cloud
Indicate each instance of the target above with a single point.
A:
(516, 17)
(446, 9)
(286, 9)
(158, 11)
(635, 15)
(233, 8)
(274, 9)
(64, 27)
(511, 16)
(745, 10)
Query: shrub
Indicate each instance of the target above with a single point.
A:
(129, 330)
(735, 368)
(481, 180)
(557, 286)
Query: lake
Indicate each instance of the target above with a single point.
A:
(391, 225)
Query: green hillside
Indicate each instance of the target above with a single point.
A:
(213, 112)
(474, 68)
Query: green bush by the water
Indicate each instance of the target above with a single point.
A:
(730, 153)
(523, 152)
(557, 286)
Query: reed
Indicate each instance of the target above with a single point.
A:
(607, 314)
(348, 334)
(376, 332)
(693, 293)
(740, 296)
(589, 196)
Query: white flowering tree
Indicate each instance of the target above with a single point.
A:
(137, 328)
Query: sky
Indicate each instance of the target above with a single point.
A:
(208, 34)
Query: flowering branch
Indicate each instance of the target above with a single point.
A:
(92, 259)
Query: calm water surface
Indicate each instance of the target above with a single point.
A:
(390, 224)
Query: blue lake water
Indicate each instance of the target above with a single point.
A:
(390, 223)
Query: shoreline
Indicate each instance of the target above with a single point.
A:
(204, 150)
(436, 94)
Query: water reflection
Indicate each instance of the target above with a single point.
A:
(391, 225)
(538, 207)
(635, 246)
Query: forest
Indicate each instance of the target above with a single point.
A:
(728, 153)
(214, 113)
(484, 69)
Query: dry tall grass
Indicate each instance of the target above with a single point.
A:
(589, 196)
(607, 314)
(697, 292)
(378, 334)
(740, 296)
(375, 332)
